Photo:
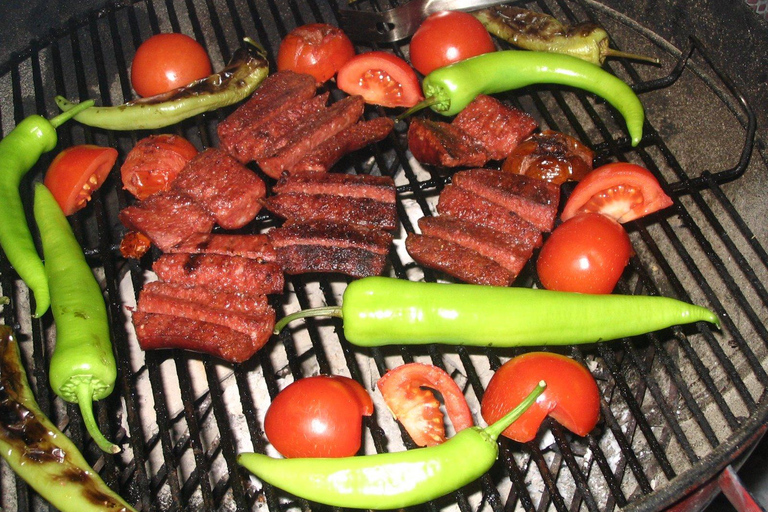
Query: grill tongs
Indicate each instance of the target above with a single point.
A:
(400, 22)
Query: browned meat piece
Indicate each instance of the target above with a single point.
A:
(331, 247)
(263, 139)
(497, 127)
(495, 245)
(240, 302)
(279, 91)
(534, 200)
(310, 207)
(439, 143)
(256, 247)
(223, 186)
(220, 273)
(311, 133)
(457, 261)
(357, 136)
(164, 331)
(463, 204)
(167, 218)
(378, 188)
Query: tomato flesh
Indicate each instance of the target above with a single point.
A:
(154, 162)
(316, 49)
(407, 391)
(76, 173)
(571, 398)
(318, 416)
(168, 61)
(585, 254)
(620, 190)
(381, 79)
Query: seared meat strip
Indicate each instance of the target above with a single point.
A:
(463, 204)
(220, 273)
(497, 127)
(311, 133)
(357, 136)
(331, 234)
(223, 186)
(167, 218)
(256, 247)
(533, 199)
(457, 261)
(254, 304)
(495, 245)
(378, 188)
(439, 143)
(164, 331)
(310, 207)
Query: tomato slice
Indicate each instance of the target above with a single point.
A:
(76, 173)
(619, 190)
(316, 49)
(407, 391)
(381, 79)
(572, 397)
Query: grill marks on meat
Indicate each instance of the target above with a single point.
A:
(256, 247)
(378, 188)
(486, 129)
(247, 303)
(360, 211)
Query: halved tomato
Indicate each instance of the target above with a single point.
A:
(381, 79)
(76, 173)
(408, 391)
(316, 49)
(154, 162)
(620, 190)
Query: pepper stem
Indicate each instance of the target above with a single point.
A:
(427, 102)
(495, 429)
(70, 113)
(84, 392)
(633, 56)
(334, 311)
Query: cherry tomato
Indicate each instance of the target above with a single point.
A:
(167, 61)
(316, 49)
(318, 416)
(76, 173)
(406, 390)
(446, 37)
(585, 254)
(154, 162)
(571, 398)
(381, 79)
(620, 190)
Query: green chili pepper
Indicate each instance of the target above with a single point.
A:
(37, 451)
(19, 151)
(390, 480)
(537, 31)
(83, 366)
(247, 69)
(382, 311)
(449, 89)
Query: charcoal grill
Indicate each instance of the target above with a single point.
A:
(679, 406)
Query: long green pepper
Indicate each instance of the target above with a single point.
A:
(83, 366)
(19, 151)
(390, 480)
(38, 452)
(382, 311)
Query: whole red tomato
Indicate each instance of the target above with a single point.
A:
(446, 37)
(571, 398)
(318, 416)
(154, 162)
(76, 173)
(585, 254)
(316, 49)
(167, 61)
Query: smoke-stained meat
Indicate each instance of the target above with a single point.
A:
(440, 143)
(256, 246)
(378, 188)
(300, 208)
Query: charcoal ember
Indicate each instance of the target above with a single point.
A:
(167, 218)
(533, 199)
(240, 302)
(378, 188)
(498, 128)
(220, 273)
(223, 186)
(359, 211)
(440, 143)
(457, 261)
(254, 246)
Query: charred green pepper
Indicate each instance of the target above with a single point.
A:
(37, 451)
(246, 71)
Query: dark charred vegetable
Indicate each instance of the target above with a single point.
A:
(382, 311)
(390, 480)
(37, 451)
(541, 32)
(246, 71)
